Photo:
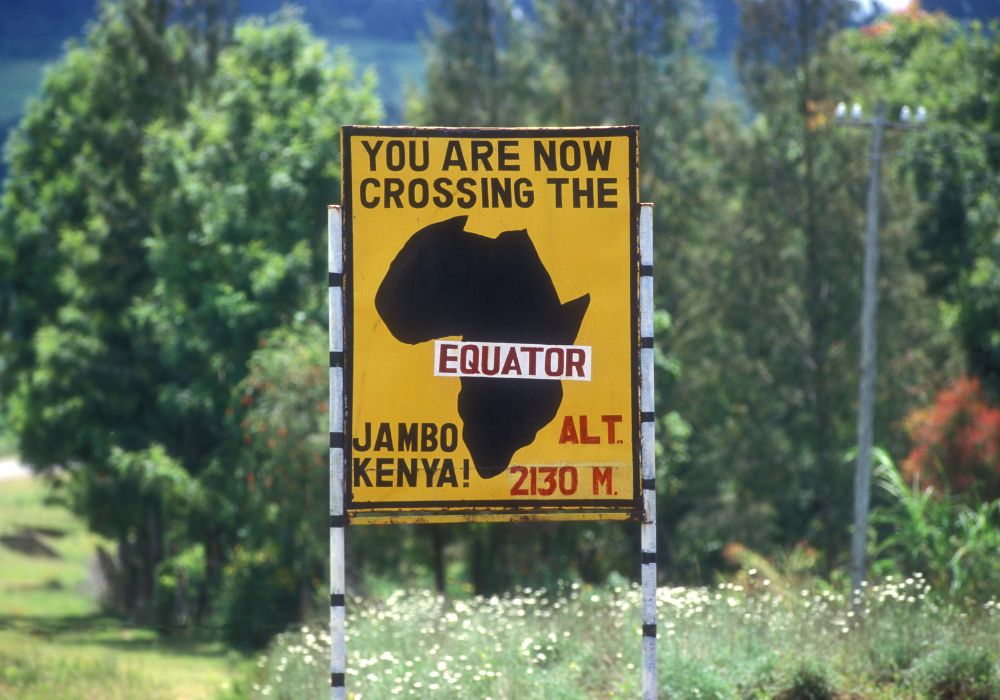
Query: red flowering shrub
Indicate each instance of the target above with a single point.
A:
(956, 441)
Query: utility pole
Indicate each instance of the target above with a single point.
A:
(869, 307)
(866, 385)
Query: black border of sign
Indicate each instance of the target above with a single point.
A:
(519, 507)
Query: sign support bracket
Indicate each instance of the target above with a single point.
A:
(646, 402)
(338, 519)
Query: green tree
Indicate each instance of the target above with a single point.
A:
(74, 214)
(767, 324)
(592, 52)
(238, 242)
(630, 62)
(164, 210)
(480, 67)
(237, 245)
(917, 58)
(795, 211)
(621, 61)
(282, 483)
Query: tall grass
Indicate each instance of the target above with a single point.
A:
(730, 641)
(953, 538)
(28, 673)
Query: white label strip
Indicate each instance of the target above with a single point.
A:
(453, 358)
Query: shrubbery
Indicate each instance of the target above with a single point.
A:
(956, 442)
(179, 579)
(954, 540)
(809, 681)
(729, 642)
(958, 673)
(259, 596)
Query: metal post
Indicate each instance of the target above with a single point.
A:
(648, 537)
(866, 384)
(338, 651)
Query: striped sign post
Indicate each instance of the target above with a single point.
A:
(648, 536)
(338, 519)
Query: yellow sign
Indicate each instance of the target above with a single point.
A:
(491, 324)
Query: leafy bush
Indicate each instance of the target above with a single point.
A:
(810, 681)
(295, 666)
(898, 641)
(257, 596)
(956, 442)
(179, 580)
(958, 673)
(142, 497)
(282, 478)
(953, 543)
(725, 642)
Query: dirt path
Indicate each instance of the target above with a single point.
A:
(11, 469)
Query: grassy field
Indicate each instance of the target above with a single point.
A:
(750, 640)
(55, 642)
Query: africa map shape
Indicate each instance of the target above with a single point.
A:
(446, 281)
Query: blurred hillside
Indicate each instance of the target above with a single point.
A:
(382, 34)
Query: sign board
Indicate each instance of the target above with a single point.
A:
(491, 324)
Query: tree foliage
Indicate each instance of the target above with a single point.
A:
(956, 442)
(163, 212)
(767, 304)
(759, 218)
(73, 220)
(479, 67)
(932, 60)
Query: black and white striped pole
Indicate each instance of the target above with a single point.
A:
(648, 535)
(338, 520)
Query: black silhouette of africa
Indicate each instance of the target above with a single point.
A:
(446, 281)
